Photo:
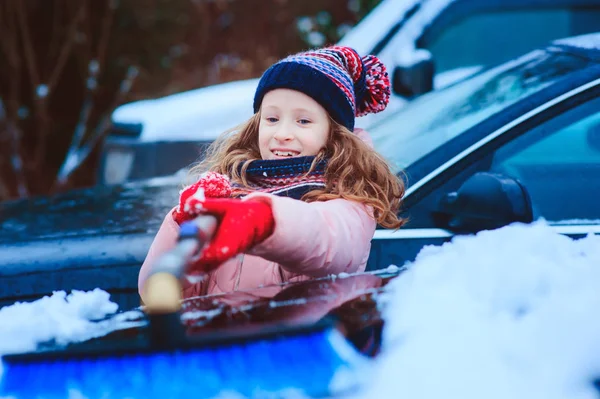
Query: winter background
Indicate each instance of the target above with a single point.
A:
(510, 313)
(67, 65)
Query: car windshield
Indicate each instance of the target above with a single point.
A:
(431, 120)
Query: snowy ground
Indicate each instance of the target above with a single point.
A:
(511, 313)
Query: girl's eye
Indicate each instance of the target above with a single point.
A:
(271, 119)
(304, 121)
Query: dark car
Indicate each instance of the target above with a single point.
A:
(516, 143)
(426, 44)
(534, 120)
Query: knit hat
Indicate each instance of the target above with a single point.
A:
(345, 84)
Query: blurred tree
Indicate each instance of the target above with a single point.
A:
(65, 65)
(64, 68)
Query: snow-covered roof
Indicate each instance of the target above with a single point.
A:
(371, 29)
(589, 41)
(200, 114)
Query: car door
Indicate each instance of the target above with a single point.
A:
(554, 152)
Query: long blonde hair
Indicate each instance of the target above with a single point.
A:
(354, 171)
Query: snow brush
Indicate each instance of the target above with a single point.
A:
(314, 360)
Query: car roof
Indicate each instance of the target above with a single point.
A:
(588, 44)
(387, 19)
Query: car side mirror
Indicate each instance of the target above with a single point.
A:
(414, 79)
(485, 201)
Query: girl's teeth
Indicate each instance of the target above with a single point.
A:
(283, 154)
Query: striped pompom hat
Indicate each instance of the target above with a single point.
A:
(345, 84)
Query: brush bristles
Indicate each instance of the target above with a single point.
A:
(303, 363)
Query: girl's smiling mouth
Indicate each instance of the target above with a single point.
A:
(284, 153)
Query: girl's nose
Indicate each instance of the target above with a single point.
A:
(283, 133)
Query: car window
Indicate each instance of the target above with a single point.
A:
(431, 120)
(485, 39)
(559, 164)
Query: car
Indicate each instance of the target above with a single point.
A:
(426, 44)
(515, 143)
(533, 121)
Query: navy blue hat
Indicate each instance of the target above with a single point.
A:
(342, 82)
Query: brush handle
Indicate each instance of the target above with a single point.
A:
(163, 286)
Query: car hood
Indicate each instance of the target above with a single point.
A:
(349, 300)
(97, 211)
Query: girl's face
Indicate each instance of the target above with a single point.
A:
(292, 124)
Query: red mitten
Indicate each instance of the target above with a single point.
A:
(242, 225)
(209, 185)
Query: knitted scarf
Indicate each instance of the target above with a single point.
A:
(288, 177)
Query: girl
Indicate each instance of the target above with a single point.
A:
(306, 192)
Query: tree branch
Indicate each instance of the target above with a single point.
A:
(77, 155)
(27, 44)
(16, 161)
(105, 33)
(40, 93)
(65, 50)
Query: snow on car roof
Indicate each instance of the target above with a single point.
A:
(175, 117)
(371, 29)
(590, 41)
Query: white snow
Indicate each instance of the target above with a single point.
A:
(371, 29)
(590, 41)
(568, 222)
(316, 39)
(447, 78)
(62, 318)
(42, 91)
(200, 114)
(510, 313)
(402, 48)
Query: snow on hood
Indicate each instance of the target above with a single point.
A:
(198, 114)
(60, 319)
(510, 313)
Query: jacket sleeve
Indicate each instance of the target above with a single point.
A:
(318, 238)
(165, 239)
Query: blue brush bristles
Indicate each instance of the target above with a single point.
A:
(304, 363)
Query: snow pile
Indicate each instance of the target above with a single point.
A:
(510, 313)
(60, 318)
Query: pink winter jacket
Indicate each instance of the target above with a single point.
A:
(309, 240)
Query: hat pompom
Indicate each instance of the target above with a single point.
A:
(377, 95)
(215, 185)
